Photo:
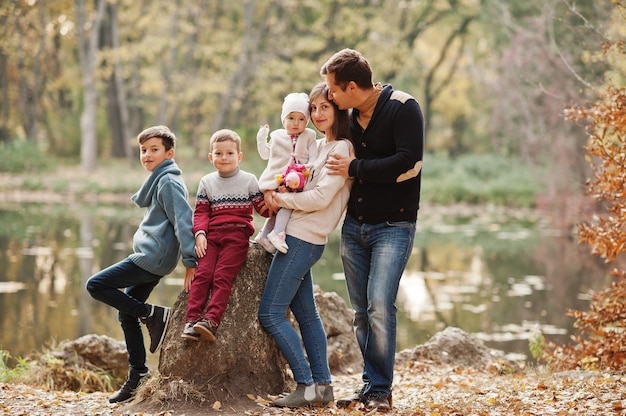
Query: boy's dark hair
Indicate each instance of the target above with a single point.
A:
(349, 65)
(163, 132)
(225, 135)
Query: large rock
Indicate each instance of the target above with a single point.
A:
(344, 355)
(455, 347)
(99, 351)
(243, 360)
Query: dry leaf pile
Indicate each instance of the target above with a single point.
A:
(420, 388)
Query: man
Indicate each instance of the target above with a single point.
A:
(387, 128)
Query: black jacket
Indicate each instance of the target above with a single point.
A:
(387, 152)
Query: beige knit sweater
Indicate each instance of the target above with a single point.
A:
(319, 207)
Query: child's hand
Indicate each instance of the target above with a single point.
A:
(261, 142)
(201, 245)
(263, 209)
(189, 275)
(262, 134)
(270, 199)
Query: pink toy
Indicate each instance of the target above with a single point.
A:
(294, 177)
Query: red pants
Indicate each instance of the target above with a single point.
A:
(227, 250)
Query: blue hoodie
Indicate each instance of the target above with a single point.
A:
(166, 229)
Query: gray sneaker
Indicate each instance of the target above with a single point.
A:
(189, 332)
(207, 330)
(156, 322)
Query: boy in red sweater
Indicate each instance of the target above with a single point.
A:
(222, 225)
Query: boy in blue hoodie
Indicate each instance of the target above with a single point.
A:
(163, 235)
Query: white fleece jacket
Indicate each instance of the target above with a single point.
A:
(280, 153)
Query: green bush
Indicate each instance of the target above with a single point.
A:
(22, 156)
(479, 179)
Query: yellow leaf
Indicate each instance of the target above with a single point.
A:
(217, 405)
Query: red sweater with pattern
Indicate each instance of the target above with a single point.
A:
(227, 200)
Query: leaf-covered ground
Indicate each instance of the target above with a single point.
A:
(420, 388)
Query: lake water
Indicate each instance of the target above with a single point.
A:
(499, 274)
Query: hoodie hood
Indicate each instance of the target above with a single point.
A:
(143, 197)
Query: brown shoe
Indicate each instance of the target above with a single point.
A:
(379, 403)
(207, 329)
(356, 397)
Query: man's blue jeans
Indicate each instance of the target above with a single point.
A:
(290, 285)
(138, 284)
(374, 258)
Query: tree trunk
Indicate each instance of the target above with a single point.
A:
(245, 65)
(87, 52)
(168, 66)
(4, 100)
(31, 79)
(117, 109)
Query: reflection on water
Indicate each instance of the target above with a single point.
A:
(499, 275)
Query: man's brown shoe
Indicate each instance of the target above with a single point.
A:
(356, 397)
(379, 404)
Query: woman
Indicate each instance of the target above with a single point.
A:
(316, 212)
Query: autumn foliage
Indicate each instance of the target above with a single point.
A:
(601, 343)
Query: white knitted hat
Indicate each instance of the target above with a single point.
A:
(295, 102)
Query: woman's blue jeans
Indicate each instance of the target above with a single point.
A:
(290, 285)
(374, 258)
(138, 284)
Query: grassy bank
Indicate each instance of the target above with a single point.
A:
(471, 178)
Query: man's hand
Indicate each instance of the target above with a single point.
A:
(339, 165)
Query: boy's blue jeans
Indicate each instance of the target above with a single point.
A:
(374, 258)
(290, 285)
(137, 284)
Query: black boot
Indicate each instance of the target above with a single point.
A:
(129, 388)
(156, 322)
